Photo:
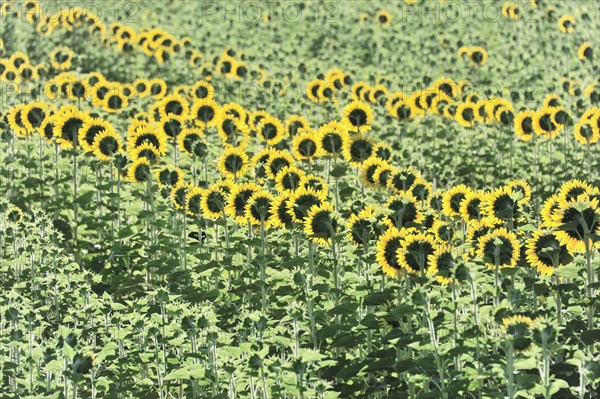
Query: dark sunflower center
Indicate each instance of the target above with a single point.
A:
(358, 117)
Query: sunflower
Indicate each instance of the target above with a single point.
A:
(383, 18)
(357, 149)
(47, 128)
(213, 202)
(357, 116)
(258, 209)
(306, 145)
(576, 222)
(383, 151)
(501, 205)
(383, 174)
(302, 200)
(232, 130)
(61, 58)
(174, 104)
(28, 72)
(158, 88)
(368, 169)
(453, 198)
(421, 189)
(237, 200)
(270, 130)
(146, 150)
(148, 134)
(278, 160)
(114, 101)
(193, 198)
(321, 224)
(316, 183)
(233, 162)
(90, 129)
(280, 217)
(585, 52)
(523, 124)
(415, 252)
(14, 215)
(67, 123)
(179, 193)
(585, 133)
(545, 124)
(442, 230)
(477, 229)
(294, 124)
(205, 112)
(521, 187)
(566, 24)
(499, 248)
(331, 137)
(142, 87)
(358, 89)
(256, 117)
(403, 210)
(289, 179)
(470, 206)
(545, 252)
(404, 111)
(466, 114)
(16, 120)
(235, 110)
(191, 142)
(478, 55)
(326, 92)
(106, 144)
(387, 248)
(169, 176)
(33, 115)
(313, 88)
(139, 171)
(403, 179)
(572, 189)
(518, 327)
(366, 226)
(443, 261)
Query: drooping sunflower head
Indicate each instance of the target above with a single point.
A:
(191, 142)
(278, 160)
(317, 183)
(33, 115)
(442, 230)
(204, 113)
(585, 133)
(545, 123)
(585, 52)
(16, 120)
(383, 18)
(520, 188)
(549, 209)
(466, 114)
(368, 170)
(387, 248)
(14, 215)
(545, 252)
(421, 189)
(232, 130)
(67, 123)
(91, 129)
(202, 90)
(499, 248)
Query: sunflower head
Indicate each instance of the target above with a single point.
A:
(545, 252)
(499, 248)
(321, 224)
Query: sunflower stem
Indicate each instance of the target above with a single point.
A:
(510, 374)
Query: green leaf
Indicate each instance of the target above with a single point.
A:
(181, 374)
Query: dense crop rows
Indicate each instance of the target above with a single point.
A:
(360, 199)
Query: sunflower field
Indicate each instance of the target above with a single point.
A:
(299, 199)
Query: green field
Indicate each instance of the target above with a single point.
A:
(300, 199)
